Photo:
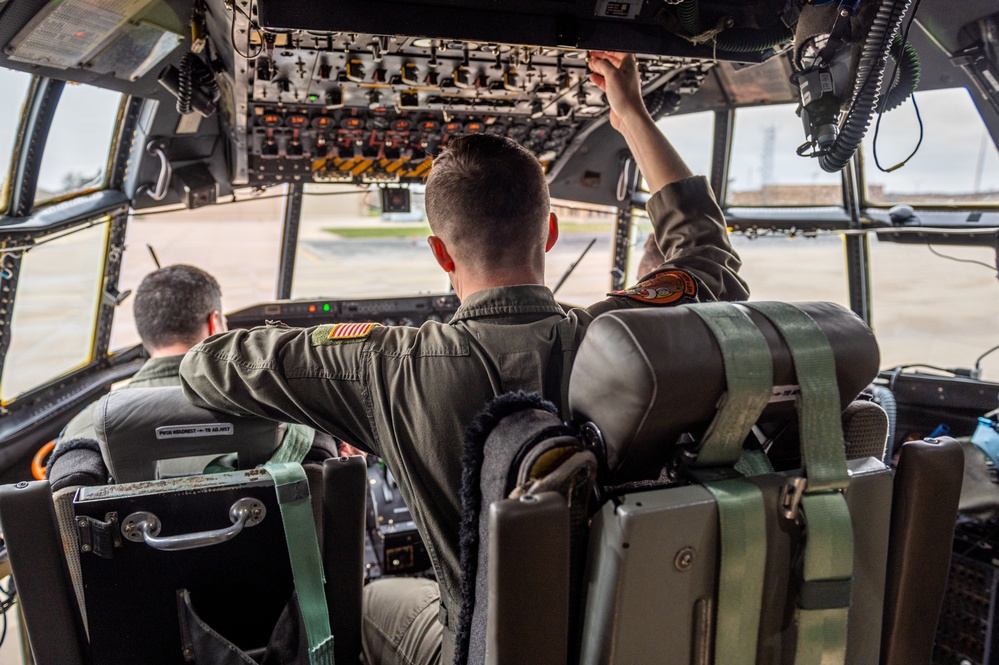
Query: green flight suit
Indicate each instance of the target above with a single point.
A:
(407, 394)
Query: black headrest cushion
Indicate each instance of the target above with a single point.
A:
(137, 427)
(645, 376)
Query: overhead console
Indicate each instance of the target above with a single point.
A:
(370, 91)
(410, 311)
(366, 108)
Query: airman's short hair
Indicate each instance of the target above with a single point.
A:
(172, 306)
(487, 199)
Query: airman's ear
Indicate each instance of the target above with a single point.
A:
(216, 323)
(441, 254)
(552, 231)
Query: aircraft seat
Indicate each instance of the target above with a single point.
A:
(238, 586)
(143, 431)
(690, 561)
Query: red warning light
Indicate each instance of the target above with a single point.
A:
(312, 309)
(81, 33)
(452, 127)
(474, 127)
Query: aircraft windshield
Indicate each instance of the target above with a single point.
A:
(348, 247)
(933, 310)
(79, 142)
(15, 86)
(239, 244)
(957, 162)
(764, 169)
(54, 317)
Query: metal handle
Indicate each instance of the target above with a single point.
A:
(145, 527)
(158, 149)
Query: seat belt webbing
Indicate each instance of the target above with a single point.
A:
(741, 510)
(823, 604)
(743, 536)
(295, 444)
(748, 378)
(292, 489)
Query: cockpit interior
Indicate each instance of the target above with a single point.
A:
(284, 146)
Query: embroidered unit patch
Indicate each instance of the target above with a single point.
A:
(664, 288)
(333, 333)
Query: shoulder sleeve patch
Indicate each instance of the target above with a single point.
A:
(334, 333)
(668, 287)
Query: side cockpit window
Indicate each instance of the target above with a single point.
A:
(956, 163)
(15, 86)
(79, 144)
(58, 293)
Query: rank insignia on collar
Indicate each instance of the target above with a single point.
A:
(341, 332)
(667, 287)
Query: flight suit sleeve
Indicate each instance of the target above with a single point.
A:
(691, 233)
(294, 375)
(699, 263)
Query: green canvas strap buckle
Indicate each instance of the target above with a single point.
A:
(825, 594)
(790, 497)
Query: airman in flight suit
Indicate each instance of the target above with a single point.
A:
(407, 394)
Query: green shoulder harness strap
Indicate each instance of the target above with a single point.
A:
(306, 563)
(741, 512)
(294, 445)
(824, 601)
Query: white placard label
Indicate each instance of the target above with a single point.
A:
(189, 431)
(784, 393)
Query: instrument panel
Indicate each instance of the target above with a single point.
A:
(363, 108)
(406, 311)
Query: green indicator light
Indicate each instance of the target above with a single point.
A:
(326, 307)
(313, 98)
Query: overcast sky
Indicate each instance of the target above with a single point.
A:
(948, 160)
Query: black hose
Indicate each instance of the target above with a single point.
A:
(870, 73)
(690, 17)
(885, 398)
(749, 40)
(907, 78)
(736, 40)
